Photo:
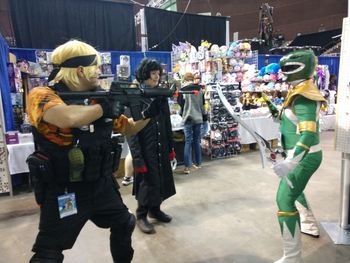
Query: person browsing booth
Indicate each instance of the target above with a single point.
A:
(76, 157)
(193, 114)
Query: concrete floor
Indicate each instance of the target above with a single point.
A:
(223, 213)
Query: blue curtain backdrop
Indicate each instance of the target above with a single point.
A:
(165, 57)
(5, 86)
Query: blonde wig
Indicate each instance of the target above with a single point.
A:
(71, 49)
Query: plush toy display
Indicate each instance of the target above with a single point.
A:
(216, 64)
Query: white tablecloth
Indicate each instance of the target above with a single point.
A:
(18, 154)
(264, 126)
(327, 122)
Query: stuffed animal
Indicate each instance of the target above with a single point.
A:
(215, 51)
(272, 68)
(193, 55)
(200, 53)
(223, 51)
(205, 44)
(262, 71)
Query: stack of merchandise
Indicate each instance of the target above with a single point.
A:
(213, 64)
(268, 80)
(106, 76)
(222, 140)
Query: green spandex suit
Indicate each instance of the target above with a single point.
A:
(300, 138)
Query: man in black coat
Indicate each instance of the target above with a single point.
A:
(152, 151)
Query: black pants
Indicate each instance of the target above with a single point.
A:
(142, 211)
(97, 201)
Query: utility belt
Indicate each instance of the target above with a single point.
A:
(72, 164)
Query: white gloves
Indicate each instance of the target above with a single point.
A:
(282, 168)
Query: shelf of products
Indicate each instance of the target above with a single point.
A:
(223, 138)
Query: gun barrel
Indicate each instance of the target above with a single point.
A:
(157, 92)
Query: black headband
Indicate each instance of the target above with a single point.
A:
(73, 63)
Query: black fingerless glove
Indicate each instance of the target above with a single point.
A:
(111, 108)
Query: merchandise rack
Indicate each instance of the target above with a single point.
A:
(223, 140)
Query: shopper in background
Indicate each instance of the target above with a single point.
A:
(332, 82)
(205, 124)
(300, 138)
(73, 170)
(152, 150)
(129, 170)
(193, 114)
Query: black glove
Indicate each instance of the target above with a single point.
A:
(111, 108)
(152, 110)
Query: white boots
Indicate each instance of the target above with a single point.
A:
(291, 246)
(308, 223)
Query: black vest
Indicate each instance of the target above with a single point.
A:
(101, 152)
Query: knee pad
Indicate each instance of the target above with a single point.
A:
(130, 226)
(120, 244)
(47, 256)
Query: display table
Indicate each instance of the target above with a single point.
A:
(264, 126)
(327, 122)
(17, 155)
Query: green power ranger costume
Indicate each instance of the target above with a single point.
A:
(300, 139)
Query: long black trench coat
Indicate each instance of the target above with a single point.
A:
(151, 147)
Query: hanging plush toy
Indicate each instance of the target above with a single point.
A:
(262, 71)
(272, 68)
(193, 55)
(200, 53)
(215, 51)
(232, 49)
(205, 44)
(223, 51)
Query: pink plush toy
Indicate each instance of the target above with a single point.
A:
(239, 76)
(273, 77)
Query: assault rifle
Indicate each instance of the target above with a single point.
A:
(121, 91)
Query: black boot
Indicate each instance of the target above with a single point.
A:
(145, 226)
(47, 256)
(160, 216)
